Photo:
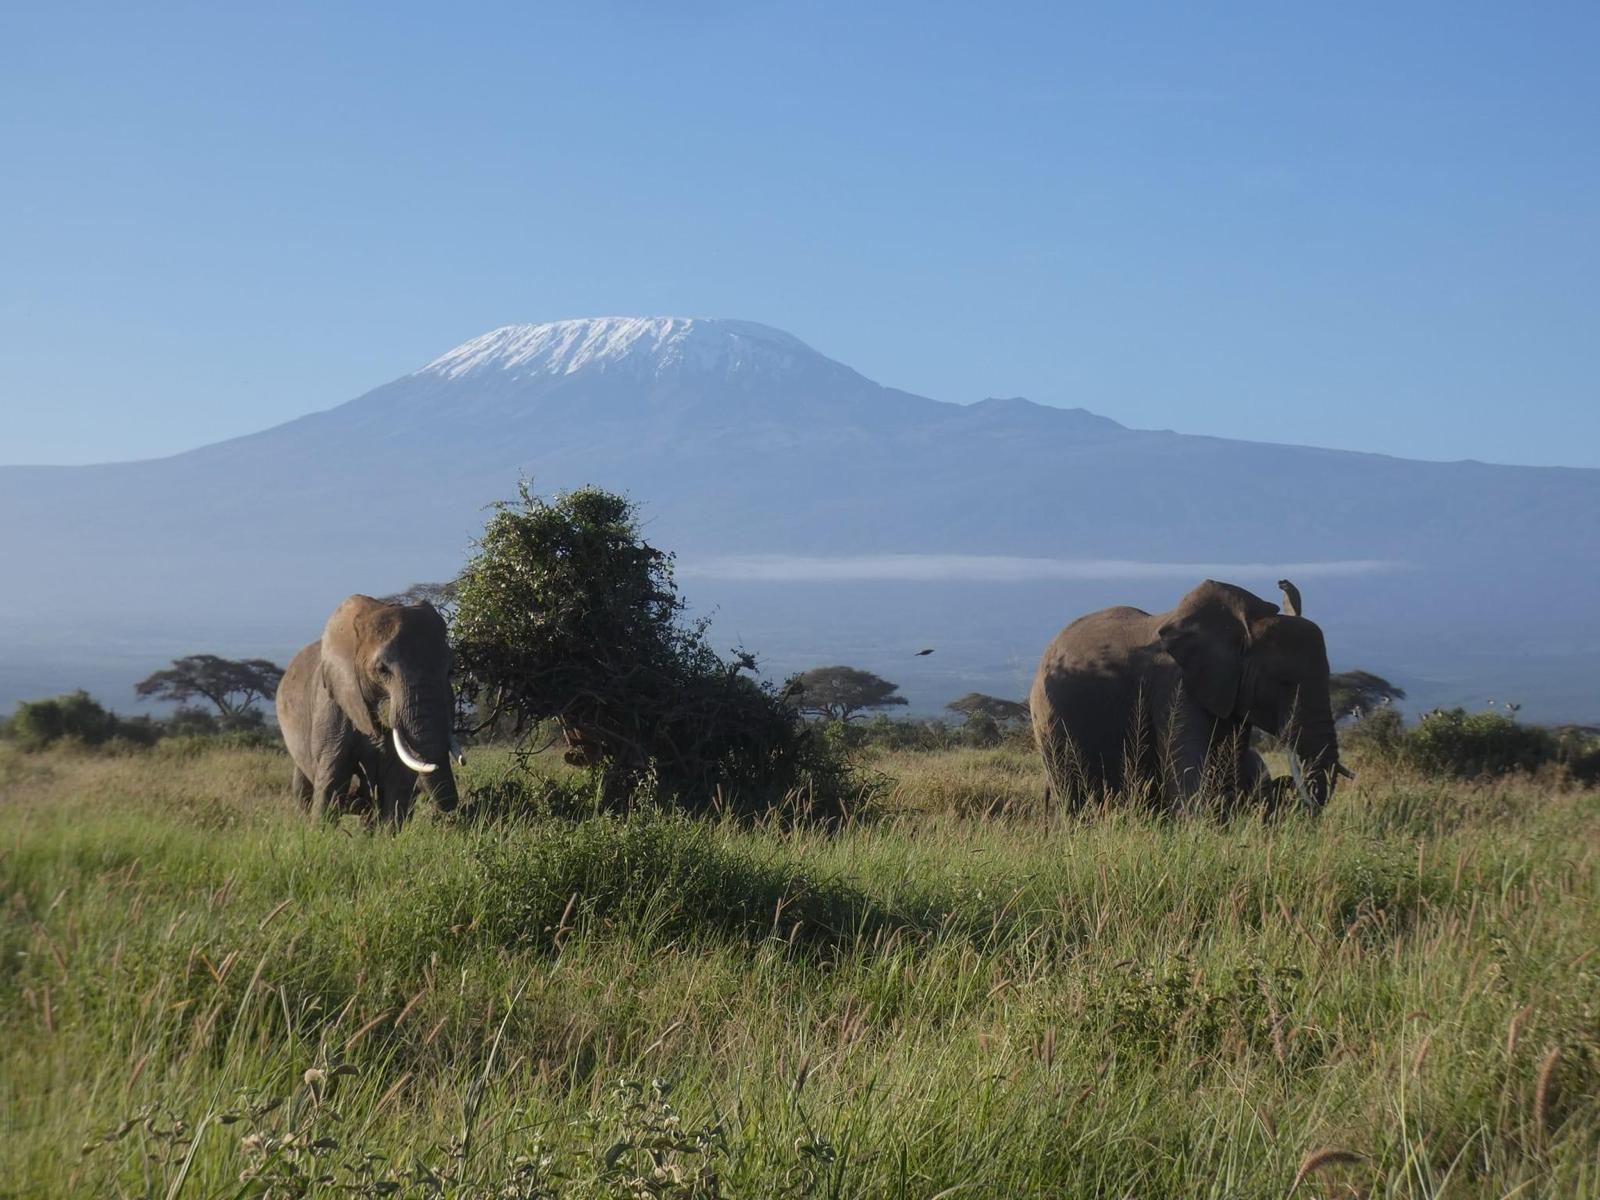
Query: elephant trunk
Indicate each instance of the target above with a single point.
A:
(425, 741)
(441, 788)
(1314, 757)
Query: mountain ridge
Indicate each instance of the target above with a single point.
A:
(740, 440)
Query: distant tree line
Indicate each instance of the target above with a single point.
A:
(566, 621)
(232, 688)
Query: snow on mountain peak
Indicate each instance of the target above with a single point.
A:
(643, 346)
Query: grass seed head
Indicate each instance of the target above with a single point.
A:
(1320, 1159)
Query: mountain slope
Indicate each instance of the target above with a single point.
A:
(740, 440)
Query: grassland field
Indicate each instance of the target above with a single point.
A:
(203, 994)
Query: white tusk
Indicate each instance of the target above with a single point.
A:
(1299, 774)
(410, 759)
(456, 752)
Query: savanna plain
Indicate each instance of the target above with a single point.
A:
(955, 993)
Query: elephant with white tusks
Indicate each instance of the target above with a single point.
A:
(371, 702)
(1162, 705)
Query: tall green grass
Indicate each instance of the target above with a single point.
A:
(203, 994)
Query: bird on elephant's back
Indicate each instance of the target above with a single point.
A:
(1162, 705)
(370, 702)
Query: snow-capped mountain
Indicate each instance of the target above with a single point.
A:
(822, 514)
(643, 347)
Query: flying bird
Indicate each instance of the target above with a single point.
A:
(922, 653)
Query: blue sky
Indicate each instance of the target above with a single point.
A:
(1361, 225)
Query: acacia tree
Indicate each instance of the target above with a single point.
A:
(1001, 712)
(232, 685)
(566, 613)
(1360, 693)
(842, 693)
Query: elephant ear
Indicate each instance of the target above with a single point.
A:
(342, 672)
(1207, 635)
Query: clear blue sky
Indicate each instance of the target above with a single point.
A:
(1363, 225)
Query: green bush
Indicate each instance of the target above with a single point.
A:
(566, 614)
(1456, 742)
(188, 721)
(76, 715)
(1381, 733)
(1578, 750)
(982, 730)
(886, 733)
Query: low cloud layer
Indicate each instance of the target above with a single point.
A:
(996, 568)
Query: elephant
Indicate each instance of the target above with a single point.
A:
(370, 705)
(1162, 705)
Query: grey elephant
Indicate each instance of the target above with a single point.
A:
(1162, 705)
(370, 705)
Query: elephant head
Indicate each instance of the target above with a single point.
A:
(388, 667)
(1246, 662)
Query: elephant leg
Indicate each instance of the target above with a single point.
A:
(300, 787)
(333, 757)
(1068, 775)
(362, 801)
(1189, 773)
(1203, 759)
(329, 788)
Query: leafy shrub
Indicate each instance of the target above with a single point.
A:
(565, 613)
(1455, 742)
(981, 729)
(1462, 745)
(1578, 750)
(77, 716)
(1381, 733)
(886, 733)
(189, 721)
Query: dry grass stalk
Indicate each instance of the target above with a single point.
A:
(390, 1094)
(1513, 1028)
(1421, 1055)
(278, 908)
(366, 1029)
(1280, 1049)
(1542, 1090)
(138, 1070)
(411, 1004)
(1319, 1159)
(662, 1040)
